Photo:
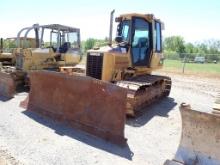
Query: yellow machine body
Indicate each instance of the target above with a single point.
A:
(118, 81)
(39, 53)
(7, 54)
(43, 58)
(129, 62)
(117, 64)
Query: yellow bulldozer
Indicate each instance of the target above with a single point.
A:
(34, 51)
(130, 62)
(118, 81)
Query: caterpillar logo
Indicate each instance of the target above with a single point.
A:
(94, 54)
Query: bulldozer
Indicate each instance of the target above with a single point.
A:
(34, 51)
(118, 81)
(130, 62)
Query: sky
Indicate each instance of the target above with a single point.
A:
(195, 20)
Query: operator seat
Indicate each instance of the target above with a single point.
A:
(63, 48)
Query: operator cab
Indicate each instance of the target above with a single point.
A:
(142, 35)
(61, 38)
(55, 45)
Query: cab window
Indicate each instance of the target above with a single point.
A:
(125, 30)
(140, 47)
(73, 39)
(158, 37)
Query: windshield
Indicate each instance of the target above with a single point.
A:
(124, 29)
(62, 38)
(73, 39)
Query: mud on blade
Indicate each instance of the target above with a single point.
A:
(85, 103)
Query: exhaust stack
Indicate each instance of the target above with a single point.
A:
(111, 27)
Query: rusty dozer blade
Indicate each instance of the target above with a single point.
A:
(200, 141)
(216, 106)
(7, 85)
(82, 102)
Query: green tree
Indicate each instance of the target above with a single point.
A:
(214, 46)
(7, 43)
(92, 42)
(174, 44)
(189, 51)
(175, 47)
(202, 48)
(89, 44)
(189, 48)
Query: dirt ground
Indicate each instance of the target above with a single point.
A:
(153, 137)
(7, 159)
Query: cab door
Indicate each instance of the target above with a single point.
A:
(141, 42)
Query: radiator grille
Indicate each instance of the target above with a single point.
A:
(94, 66)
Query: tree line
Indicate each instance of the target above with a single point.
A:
(92, 42)
(175, 48)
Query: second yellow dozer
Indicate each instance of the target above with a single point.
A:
(39, 53)
(118, 81)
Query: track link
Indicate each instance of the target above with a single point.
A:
(144, 90)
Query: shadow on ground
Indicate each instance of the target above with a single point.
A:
(9, 96)
(65, 130)
(4, 98)
(159, 108)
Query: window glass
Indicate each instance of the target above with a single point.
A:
(54, 36)
(73, 39)
(158, 37)
(140, 42)
(125, 31)
(46, 38)
(140, 34)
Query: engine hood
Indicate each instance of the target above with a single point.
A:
(110, 49)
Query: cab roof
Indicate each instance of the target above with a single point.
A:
(149, 17)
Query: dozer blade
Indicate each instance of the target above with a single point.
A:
(200, 141)
(7, 85)
(82, 102)
(216, 106)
